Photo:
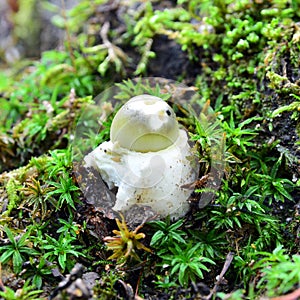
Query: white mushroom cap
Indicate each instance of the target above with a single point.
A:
(145, 124)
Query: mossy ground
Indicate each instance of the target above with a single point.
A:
(242, 57)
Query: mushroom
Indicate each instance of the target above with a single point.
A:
(148, 158)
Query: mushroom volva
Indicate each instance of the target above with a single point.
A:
(148, 158)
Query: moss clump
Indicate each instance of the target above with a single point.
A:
(243, 58)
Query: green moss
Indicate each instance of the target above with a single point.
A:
(12, 187)
(244, 57)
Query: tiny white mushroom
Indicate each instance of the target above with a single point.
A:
(148, 158)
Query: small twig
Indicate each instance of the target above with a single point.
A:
(137, 285)
(115, 54)
(104, 34)
(226, 265)
(75, 273)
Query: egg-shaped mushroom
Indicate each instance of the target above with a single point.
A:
(148, 158)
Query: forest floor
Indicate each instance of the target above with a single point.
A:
(236, 63)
